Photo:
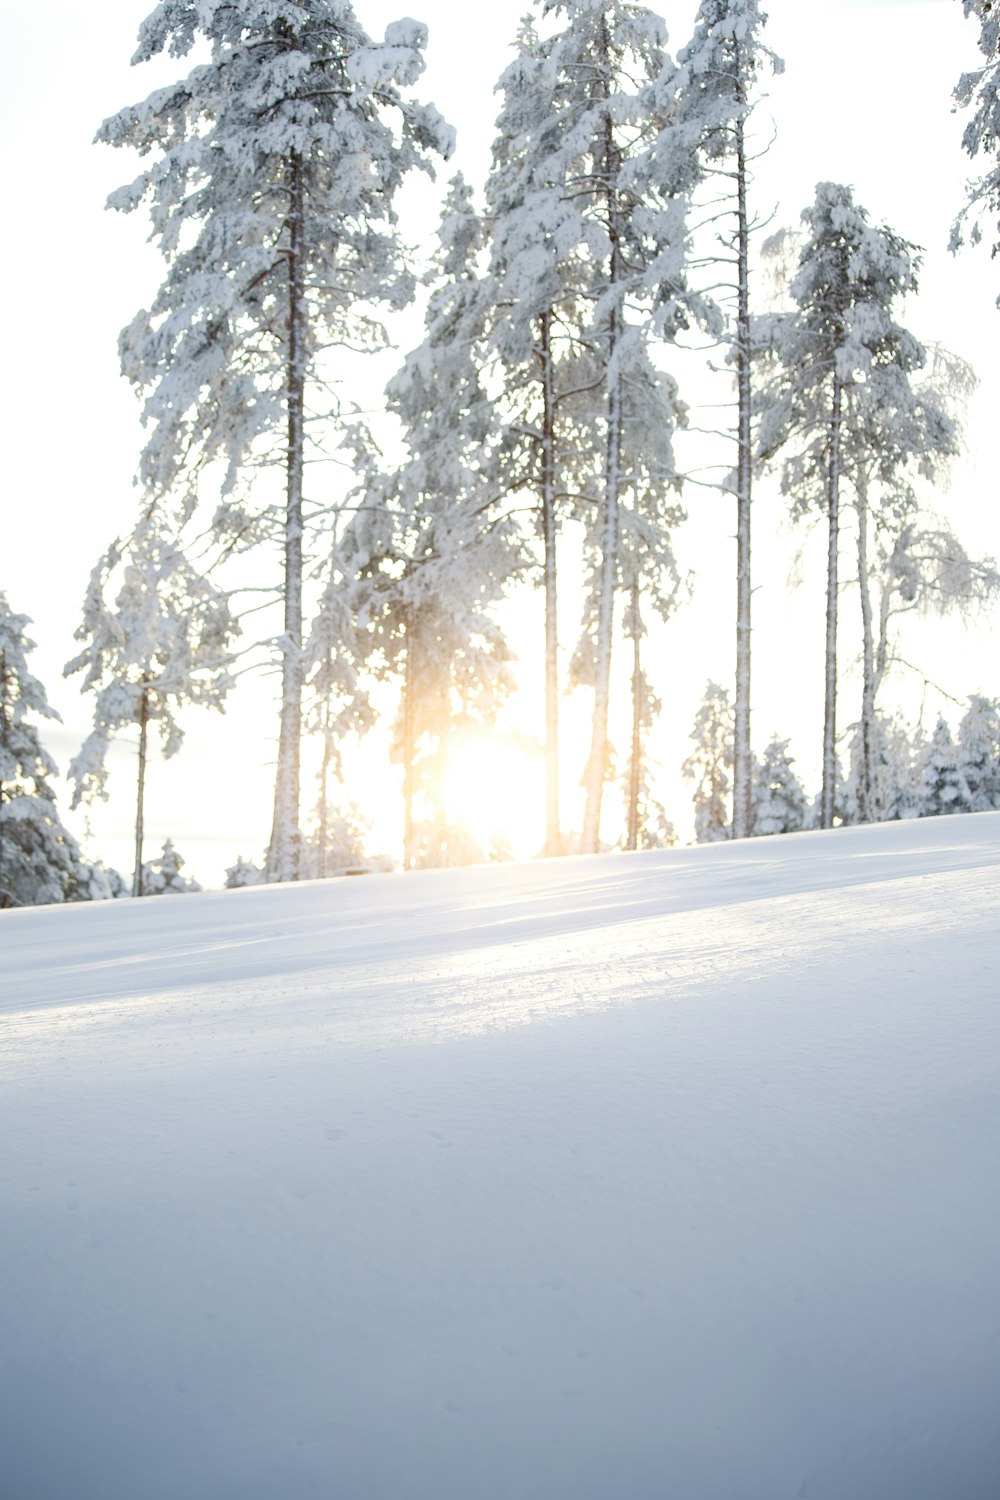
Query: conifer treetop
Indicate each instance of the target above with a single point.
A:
(291, 91)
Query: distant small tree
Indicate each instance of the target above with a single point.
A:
(779, 802)
(979, 754)
(162, 877)
(244, 872)
(336, 843)
(941, 783)
(39, 860)
(885, 786)
(710, 765)
(162, 643)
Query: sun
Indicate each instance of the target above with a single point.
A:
(495, 787)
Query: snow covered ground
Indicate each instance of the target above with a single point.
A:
(654, 1177)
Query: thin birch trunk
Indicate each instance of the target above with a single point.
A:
(635, 761)
(829, 792)
(742, 757)
(553, 836)
(598, 762)
(140, 799)
(283, 852)
(869, 811)
(409, 750)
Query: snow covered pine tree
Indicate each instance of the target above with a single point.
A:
(718, 71)
(710, 766)
(582, 113)
(981, 90)
(39, 860)
(838, 357)
(271, 197)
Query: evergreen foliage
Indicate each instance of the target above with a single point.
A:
(162, 876)
(840, 359)
(892, 790)
(271, 190)
(979, 755)
(717, 76)
(40, 860)
(980, 91)
(244, 872)
(779, 802)
(941, 787)
(710, 764)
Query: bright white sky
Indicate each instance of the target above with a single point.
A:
(865, 99)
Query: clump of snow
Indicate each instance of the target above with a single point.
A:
(647, 1175)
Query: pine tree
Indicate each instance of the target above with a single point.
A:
(39, 860)
(584, 210)
(940, 781)
(431, 547)
(271, 196)
(838, 356)
(337, 841)
(710, 765)
(534, 335)
(980, 90)
(883, 784)
(979, 755)
(162, 876)
(719, 70)
(244, 872)
(779, 802)
(162, 643)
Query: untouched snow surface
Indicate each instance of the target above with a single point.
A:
(653, 1177)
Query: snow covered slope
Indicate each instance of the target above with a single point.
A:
(662, 1177)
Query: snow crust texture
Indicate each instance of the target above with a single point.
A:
(658, 1175)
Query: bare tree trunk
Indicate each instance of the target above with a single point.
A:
(553, 835)
(869, 810)
(283, 851)
(635, 760)
(409, 750)
(598, 762)
(829, 792)
(140, 800)
(742, 757)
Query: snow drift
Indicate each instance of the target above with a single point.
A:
(664, 1175)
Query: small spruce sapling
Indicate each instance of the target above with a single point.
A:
(39, 860)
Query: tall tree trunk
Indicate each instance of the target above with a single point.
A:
(869, 810)
(635, 759)
(742, 758)
(409, 751)
(828, 796)
(553, 835)
(140, 799)
(283, 851)
(598, 762)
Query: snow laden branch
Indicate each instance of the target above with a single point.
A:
(273, 170)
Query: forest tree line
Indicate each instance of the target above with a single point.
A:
(614, 238)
